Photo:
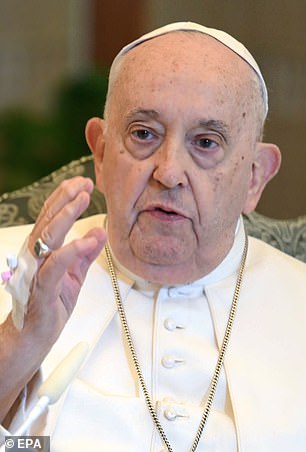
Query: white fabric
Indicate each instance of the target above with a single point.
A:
(219, 35)
(264, 368)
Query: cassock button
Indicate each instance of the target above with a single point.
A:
(169, 361)
(170, 324)
(170, 414)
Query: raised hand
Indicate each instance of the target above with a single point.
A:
(55, 286)
(61, 275)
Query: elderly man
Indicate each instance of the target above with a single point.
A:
(196, 340)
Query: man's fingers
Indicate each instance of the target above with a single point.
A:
(63, 194)
(54, 232)
(60, 212)
(74, 257)
(101, 237)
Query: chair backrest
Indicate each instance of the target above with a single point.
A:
(22, 207)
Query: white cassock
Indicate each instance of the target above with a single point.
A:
(260, 403)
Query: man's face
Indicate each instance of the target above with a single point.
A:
(176, 157)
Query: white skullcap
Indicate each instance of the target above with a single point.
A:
(221, 36)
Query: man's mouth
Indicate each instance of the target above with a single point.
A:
(165, 213)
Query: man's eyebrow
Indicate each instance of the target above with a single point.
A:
(138, 111)
(217, 126)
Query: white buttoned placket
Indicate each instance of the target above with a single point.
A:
(184, 354)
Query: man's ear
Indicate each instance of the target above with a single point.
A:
(266, 164)
(94, 133)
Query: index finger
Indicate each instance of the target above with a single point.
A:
(60, 211)
(65, 192)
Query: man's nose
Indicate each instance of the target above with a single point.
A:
(170, 166)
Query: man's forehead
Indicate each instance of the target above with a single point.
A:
(218, 35)
(185, 51)
(186, 67)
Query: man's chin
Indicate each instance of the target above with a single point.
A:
(164, 253)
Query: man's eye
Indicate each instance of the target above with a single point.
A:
(206, 143)
(142, 134)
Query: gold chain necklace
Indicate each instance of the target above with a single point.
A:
(215, 378)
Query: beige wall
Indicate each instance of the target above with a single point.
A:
(274, 31)
(40, 42)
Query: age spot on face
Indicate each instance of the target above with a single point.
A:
(217, 179)
(236, 167)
